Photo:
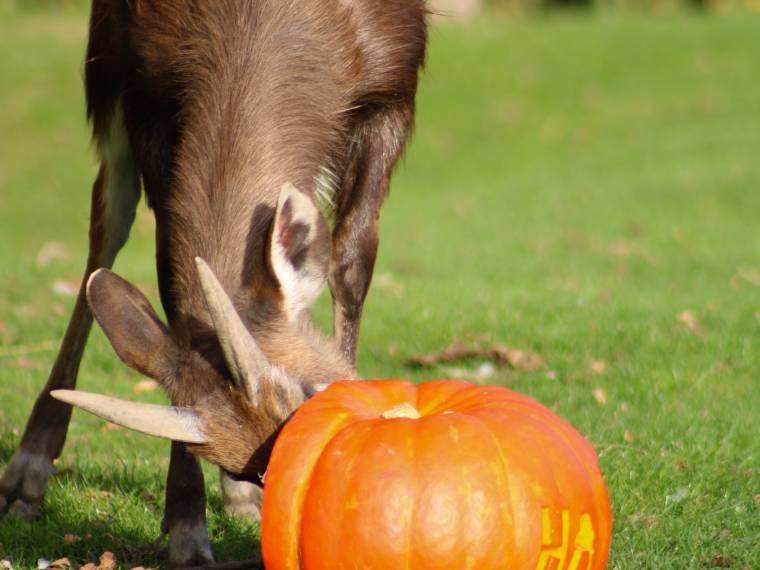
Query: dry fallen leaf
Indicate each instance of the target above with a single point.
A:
(628, 436)
(145, 386)
(6, 563)
(600, 396)
(756, 498)
(637, 519)
(499, 354)
(71, 538)
(88, 566)
(626, 248)
(107, 561)
(59, 309)
(622, 248)
(598, 366)
(387, 282)
(721, 561)
(51, 251)
(749, 274)
(691, 322)
(60, 563)
(25, 364)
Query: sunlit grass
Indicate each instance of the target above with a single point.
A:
(587, 188)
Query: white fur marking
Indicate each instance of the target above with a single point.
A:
(325, 188)
(300, 289)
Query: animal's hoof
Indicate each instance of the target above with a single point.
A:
(241, 498)
(187, 559)
(189, 544)
(25, 510)
(22, 486)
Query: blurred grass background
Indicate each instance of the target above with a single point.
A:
(583, 184)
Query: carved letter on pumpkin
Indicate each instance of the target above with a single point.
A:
(553, 556)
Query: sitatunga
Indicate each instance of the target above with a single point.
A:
(387, 475)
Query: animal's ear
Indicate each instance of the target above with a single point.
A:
(136, 332)
(299, 252)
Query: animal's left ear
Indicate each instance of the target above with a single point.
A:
(299, 252)
(136, 332)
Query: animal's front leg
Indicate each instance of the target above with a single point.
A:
(380, 139)
(185, 512)
(350, 275)
(115, 194)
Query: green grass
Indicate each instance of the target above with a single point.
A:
(574, 184)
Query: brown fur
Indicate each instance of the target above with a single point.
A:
(223, 102)
(242, 97)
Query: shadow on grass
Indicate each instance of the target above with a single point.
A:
(92, 508)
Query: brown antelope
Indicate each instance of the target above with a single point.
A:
(211, 107)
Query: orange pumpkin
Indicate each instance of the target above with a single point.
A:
(444, 475)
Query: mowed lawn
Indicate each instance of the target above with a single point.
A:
(583, 187)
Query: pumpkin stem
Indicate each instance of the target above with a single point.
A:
(405, 410)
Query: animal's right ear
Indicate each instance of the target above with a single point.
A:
(299, 253)
(136, 332)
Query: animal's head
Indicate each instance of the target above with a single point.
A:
(248, 365)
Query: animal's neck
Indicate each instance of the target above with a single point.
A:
(231, 164)
(251, 123)
(247, 124)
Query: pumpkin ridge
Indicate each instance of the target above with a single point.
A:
(579, 447)
(413, 518)
(592, 475)
(535, 424)
(475, 397)
(527, 408)
(500, 396)
(294, 523)
(456, 400)
(568, 442)
(502, 460)
(371, 438)
(357, 389)
(353, 460)
(428, 394)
